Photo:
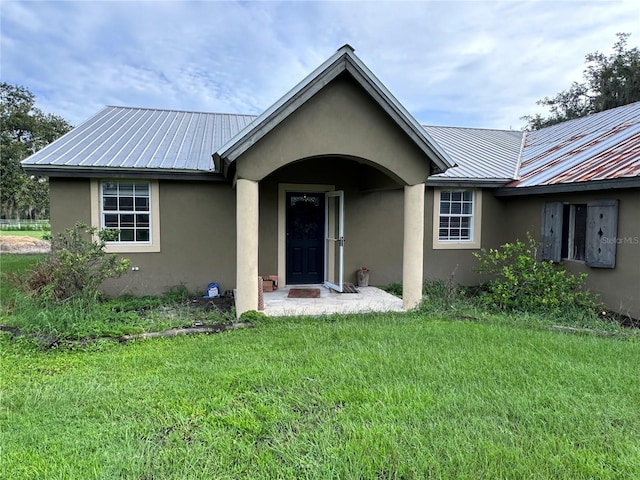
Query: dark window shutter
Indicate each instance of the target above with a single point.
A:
(602, 231)
(551, 235)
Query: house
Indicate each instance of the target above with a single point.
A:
(338, 174)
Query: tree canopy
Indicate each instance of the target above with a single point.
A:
(609, 81)
(24, 129)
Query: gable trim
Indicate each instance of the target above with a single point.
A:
(343, 60)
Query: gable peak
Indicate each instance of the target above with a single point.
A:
(346, 47)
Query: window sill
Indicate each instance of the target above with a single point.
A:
(131, 248)
(470, 245)
(582, 262)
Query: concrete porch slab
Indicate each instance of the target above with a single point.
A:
(368, 299)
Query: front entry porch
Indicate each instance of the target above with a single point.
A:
(367, 300)
(406, 248)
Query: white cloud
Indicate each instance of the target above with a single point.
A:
(455, 63)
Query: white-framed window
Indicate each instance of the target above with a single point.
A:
(456, 218)
(126, 207)
(131, 207)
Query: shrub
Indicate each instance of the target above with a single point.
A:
(76, 266)
(522, 283)
(253, 316)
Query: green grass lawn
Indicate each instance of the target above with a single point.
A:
(25, 233)
(388, 396)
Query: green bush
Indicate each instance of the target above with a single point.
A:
(253, 316)
(76, 266)
(522, 283)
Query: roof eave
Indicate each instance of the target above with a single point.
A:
(588, 186)
(115, 172)
(467, 182)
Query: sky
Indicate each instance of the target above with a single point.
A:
(458, 63)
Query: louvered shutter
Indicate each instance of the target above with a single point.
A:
(602, 231)
(551, 235)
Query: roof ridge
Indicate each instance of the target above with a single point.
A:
(589, 116)
(474, 128)
(180, 110)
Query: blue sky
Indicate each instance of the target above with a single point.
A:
(461, 63)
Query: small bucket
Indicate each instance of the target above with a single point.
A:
(213, 290)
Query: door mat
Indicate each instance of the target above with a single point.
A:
(347, 288)
(304, 293)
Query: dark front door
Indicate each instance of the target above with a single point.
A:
(305, 237)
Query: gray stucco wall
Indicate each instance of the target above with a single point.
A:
(618, 287)
(342, 120)
(197, 235)
(198, 241)
(70, 202)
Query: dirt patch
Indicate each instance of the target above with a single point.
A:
(23, 244)
(223, 303)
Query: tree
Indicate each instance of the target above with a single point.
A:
(609, 81)
(24, 129)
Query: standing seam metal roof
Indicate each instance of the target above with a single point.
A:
(602, 146)
(139, 138)
(479, 153)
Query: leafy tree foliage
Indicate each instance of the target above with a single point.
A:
(24, 129)
(609, 81)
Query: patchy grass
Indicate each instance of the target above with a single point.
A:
(92, 318)
(376, 396)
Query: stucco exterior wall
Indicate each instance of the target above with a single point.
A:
(197, 236)
(342, 120)
(364, 220)
(198, 232)
(374, 225)
(618, 287)
(70, 203)
(460, 264)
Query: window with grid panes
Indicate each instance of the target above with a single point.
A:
(456, 215)
(126, 206)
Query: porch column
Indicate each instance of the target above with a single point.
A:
(247, 202)
(413, 247)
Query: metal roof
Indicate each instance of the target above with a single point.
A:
(479, 153)
(141, 138)
(602, 146)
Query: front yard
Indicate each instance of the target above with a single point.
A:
(446, 392)
(388, 396)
